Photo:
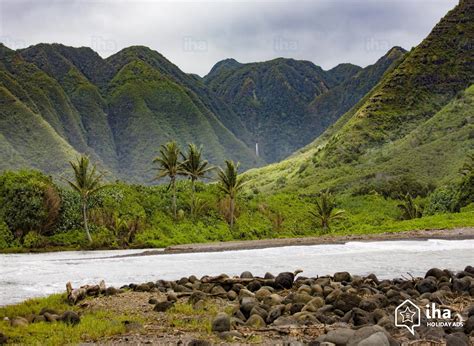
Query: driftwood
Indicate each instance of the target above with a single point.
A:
(78, 294)
(232, 281)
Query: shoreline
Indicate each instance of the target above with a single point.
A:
(444, 234)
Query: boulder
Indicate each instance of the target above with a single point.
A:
(18, 322)
(110, 291)
(305, 317)
(469, 325)
(457, 339)
(462, 284)
(262, 293)
(254, 285)
(218, 289)
(274, 313)
(373, 278)
(285, 280)
(332, 296)
(369, 304)
(231, 295)
(364, 333)
(268, 276)
(294, 308)
(50, 317)
(246, 275)
(245, 293)
(221, 323)
(376, 339)
(256, 321)
(3, 339)
(339, 336)
(51, 311)
(427, 285)
(196, 296)
(469, 269)
(172, 296)
(346, 301)
(257, 310)
(163, 306)
(272, 299)
(342, 276)
(361, 317)
(436, 273)
(199, 342)
(247, 304)
(70, 317)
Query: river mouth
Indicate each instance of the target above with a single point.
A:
(26, 276)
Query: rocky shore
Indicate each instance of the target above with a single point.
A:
(287, 308)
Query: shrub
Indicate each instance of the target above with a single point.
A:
(6, 237)
(28, 201)
(394, 186)
(444, 200)
(34, 240)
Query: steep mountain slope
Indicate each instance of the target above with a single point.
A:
(326, 108)
(411, 126)
(148, 106)
(118, 110)
(286, 103)
(271, 99)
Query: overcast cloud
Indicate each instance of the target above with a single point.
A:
(195, 34)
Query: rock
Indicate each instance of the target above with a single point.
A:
(196, 296)
(347, 301)
(303, 298)
(262, 293)
(153, 301)
(51, 311)
(373, 278)
(246, 275)
(163, 306)
(257, 310)
(285, 280)
(256, 321)
(457, 339)
(131, 326)
(305, 317)
(247, 304)
(39, 318)
(470, 311)
(254, 286)
(461, 285)
(269, 276)
(172, 296)
(331, 297)
(364, 333)
(275, 313)
(221, 323)
(339, 336)
(218, 290)
(238, 314)
(294, 308)
(469, 325)
(70, 317)
(3, 339)
(436, 273)
(272, 299)
(246, 293)
(285, 321)
(231, 295)
(469, 269)
(361, 317)
(18, 322)
(50, 317)
(427, 285)
(369, 304)
(376, 339)
(342, 276)
(316, 290)
(110, 291)
(231, 335)
(143, 288)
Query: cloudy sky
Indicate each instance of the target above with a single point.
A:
(196, 34)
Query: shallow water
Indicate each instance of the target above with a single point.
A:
(25, 276)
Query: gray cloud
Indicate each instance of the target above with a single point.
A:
(196, 34)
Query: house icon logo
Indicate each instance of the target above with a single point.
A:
(408, 315)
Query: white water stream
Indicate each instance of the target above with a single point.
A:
(25, 276)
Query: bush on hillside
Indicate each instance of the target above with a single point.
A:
(6, 237)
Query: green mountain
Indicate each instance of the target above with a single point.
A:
(283, 102)
(60, 101)
(414, 128)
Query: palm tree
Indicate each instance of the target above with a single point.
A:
(171, 167)
(326, 211)
(195, 168)
(230, 184)
(86, 182)
(410, 209)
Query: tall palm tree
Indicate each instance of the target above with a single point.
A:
(195, 168)
(171, 167)
(230, 183)
(87, 181)
(326, 211)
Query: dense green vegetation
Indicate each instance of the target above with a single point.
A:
(286, 103)
(94, 325)
(37, 213)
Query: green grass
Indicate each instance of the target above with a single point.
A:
(93, 326)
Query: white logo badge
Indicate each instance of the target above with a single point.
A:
(408, 315)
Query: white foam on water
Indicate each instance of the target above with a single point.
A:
(25, 276)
